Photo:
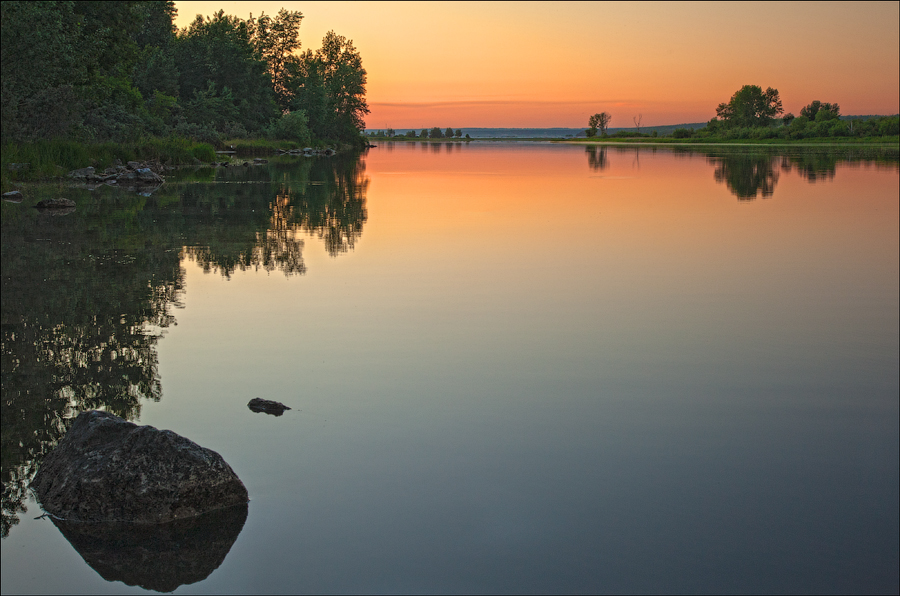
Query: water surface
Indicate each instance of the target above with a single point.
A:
(512, 367)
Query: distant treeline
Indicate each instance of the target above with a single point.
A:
(433, 133)
(121, 71)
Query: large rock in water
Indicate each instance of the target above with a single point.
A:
(107, 469)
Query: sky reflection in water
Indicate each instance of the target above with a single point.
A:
(511, 367)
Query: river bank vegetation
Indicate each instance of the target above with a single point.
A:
(756, 116)
(118, 81)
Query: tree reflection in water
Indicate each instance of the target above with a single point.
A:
(323, 198)
(746, 175)
(597, 159)
(749, 172)
(86, 296)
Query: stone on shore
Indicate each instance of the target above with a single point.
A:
(82, 174)
(109, 470)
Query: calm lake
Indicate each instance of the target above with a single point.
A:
(512, 368)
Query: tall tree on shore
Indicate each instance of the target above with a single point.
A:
(598, 122)
(344, 79)
(330, 85)
(276, 39)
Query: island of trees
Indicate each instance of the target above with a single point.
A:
(94, 72)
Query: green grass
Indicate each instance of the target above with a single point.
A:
(888, 141)
(264, 146)
(50, 159)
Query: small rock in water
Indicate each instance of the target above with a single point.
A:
(13, 196)
(55, 204)
(109, 470)
(268, 406)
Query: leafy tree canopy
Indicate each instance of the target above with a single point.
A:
(829, 111)
(750, 106)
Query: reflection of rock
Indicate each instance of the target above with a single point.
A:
(268, 406)
(158, 557)
(107, 469)
(140, 176)
(55, 204)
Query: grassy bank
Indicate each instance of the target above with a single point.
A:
(817, 142)
(50, 159)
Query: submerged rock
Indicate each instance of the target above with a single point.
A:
(13, 196)
(158, 557)
(109, 470)
(268, 406)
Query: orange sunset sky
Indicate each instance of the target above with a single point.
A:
(545, 64)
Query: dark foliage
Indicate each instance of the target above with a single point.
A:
(100, 71)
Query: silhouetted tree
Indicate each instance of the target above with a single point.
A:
(750, 106)
(829, 111)
(598, 122)
(275, 40)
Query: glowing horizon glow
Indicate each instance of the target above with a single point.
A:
(547, 65)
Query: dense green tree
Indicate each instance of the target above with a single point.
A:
(308, 89)
(449, 133)
(830, 110)
(750, 106)
(95, 71)
(221, 77)
(423, 134)
(436, 133)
